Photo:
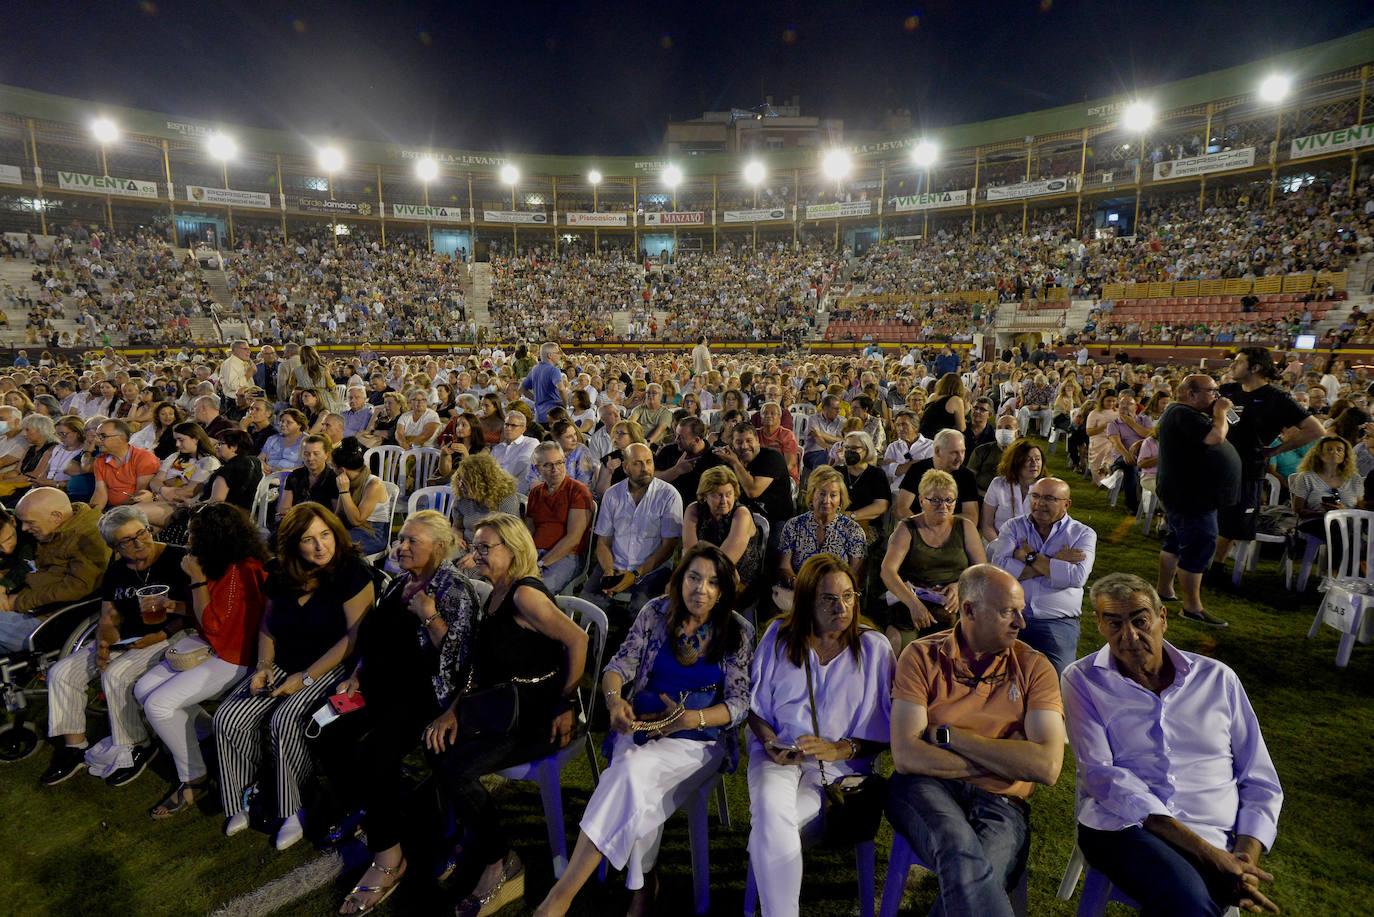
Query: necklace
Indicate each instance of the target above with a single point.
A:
(688, 649)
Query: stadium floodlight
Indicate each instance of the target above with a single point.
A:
(427, 169)
(1137, 117)
(836, 164)
(924, 154)
(509, 174)
(753, 172)
(1275, 87)
(672, 176)
(594, 177)
(331, 159)
(105, 130)
(221, 146)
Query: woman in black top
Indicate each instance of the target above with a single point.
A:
(522, 638)
(945, 410)
(410, 652)
(236, 479)
(318, 590)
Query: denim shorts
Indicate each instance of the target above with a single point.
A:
(1193, 538)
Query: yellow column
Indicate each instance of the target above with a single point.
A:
(1359, 119)
(171, 195)
(555, 213)
(105, 170)
(281, 190)
(1082, 180)
(38, 182)
(715, 202)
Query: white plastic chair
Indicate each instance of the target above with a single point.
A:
(1246, 553)
(385, 462)
(899, 863)
(439, 498)
(548, 770)
(802, 407)
(426, 461)
(575, 584)
(1347, 600)
(1097, 889)
(1312, 547)
(393, 495)
(863, 856)
(264, 499)
(800, 424)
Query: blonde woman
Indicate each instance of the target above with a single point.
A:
(481, 487)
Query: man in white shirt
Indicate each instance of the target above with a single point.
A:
(515, 451)
(1177, 793)
(236, 372)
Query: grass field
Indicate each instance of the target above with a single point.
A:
(83, 848)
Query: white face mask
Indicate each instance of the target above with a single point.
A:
(1005, 437)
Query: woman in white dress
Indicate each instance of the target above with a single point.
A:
(850, 665)
(687, 656)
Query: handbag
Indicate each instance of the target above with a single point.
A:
(650, 715)
(851, 807)
(490, 711)
(188, 652)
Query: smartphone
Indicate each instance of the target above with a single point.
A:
(342, 703)
(778, 746)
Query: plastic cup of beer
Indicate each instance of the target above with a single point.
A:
(152, 602)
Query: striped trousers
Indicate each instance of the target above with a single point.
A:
(67, 681)
(242, 742)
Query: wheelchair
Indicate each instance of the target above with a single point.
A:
(23, 674)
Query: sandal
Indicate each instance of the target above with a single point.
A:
(180, 799)
(393, 873)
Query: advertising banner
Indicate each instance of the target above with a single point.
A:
(227, 196)
(514, 216)
(1201, 165)
(433, 213)
(598, 219)
(681, 218)
(105, 184)
(317, 205)
(754, 216)
(10, 175)
(835, 211)
(927, 201)
(1347, 138)
(1032, 189)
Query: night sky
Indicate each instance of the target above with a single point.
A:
(606, 78)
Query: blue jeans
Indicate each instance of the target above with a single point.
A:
(1159, 878)
(561, 572)
(371, 537)
(649, 586)
(975, 841)
(15, 628)
(1057, 638)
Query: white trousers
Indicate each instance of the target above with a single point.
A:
(785, 804)
(67, 681)
(642, 788)
(172, 702)
(1044, 415)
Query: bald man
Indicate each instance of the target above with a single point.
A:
(69, 563)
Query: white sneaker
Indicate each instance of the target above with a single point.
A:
(292, 830)
(236, 823)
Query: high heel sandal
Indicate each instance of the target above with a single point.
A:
(509, 889)
(393, 873)
(182, 798)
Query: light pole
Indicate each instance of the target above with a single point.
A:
(224, 148)
(510, 175)
(594, 179)
(672, 177)
(1274, 89)
(1137, 118)
(923, 157)
(105, 133)
(427, 170)
(753, 174)
(836, 165)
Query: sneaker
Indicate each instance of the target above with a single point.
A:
(142, 755)
(1202, 617)
(67, 761)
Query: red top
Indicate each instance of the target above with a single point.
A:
(231, 618)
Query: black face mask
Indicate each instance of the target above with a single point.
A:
(853, 456)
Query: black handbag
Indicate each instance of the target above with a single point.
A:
(852, 807)
(490, 711)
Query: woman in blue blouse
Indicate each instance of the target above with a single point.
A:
(282, 452)
(688, 657)
(823, 530)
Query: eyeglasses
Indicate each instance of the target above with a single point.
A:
(844, 598)
(1047, 498)
(125, 544)
(484, 548)
(969, 680)
(941, 501)
(508, 424)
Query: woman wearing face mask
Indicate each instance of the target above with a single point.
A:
(869, 493)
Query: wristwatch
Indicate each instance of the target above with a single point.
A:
(942, 736)
(1030, 557)
(307, 679)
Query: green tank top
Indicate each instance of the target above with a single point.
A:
(927, 566)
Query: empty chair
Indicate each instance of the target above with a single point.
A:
(426, 463)
(438, 498)
(385, 462)
(1347, 598)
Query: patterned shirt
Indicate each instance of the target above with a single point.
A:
(801, 539)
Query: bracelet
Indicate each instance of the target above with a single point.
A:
(701, 718)
(853, 748)
(198, 585)
(430, 620)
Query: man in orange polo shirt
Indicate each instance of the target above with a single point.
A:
(977, 721)
(122, 469)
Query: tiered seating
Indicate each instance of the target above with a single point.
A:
(1180, 309)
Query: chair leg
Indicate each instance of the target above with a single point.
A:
(863, 856)
(1317, 620)
(1071, 873)
(592, 760)
(899, 863)
(722, 804)
(751, 892)
(1096, 891)
(1243, 549)
(551, 790)
(1343, 651)
(698, 832)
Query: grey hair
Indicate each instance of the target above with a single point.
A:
(547, 446)
(469, 401)
(946, 436)
(870, 450)
(118, 517)
(210, 401)
(1121, 587)
(43, 424)
(437, 527)
(358, 388)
